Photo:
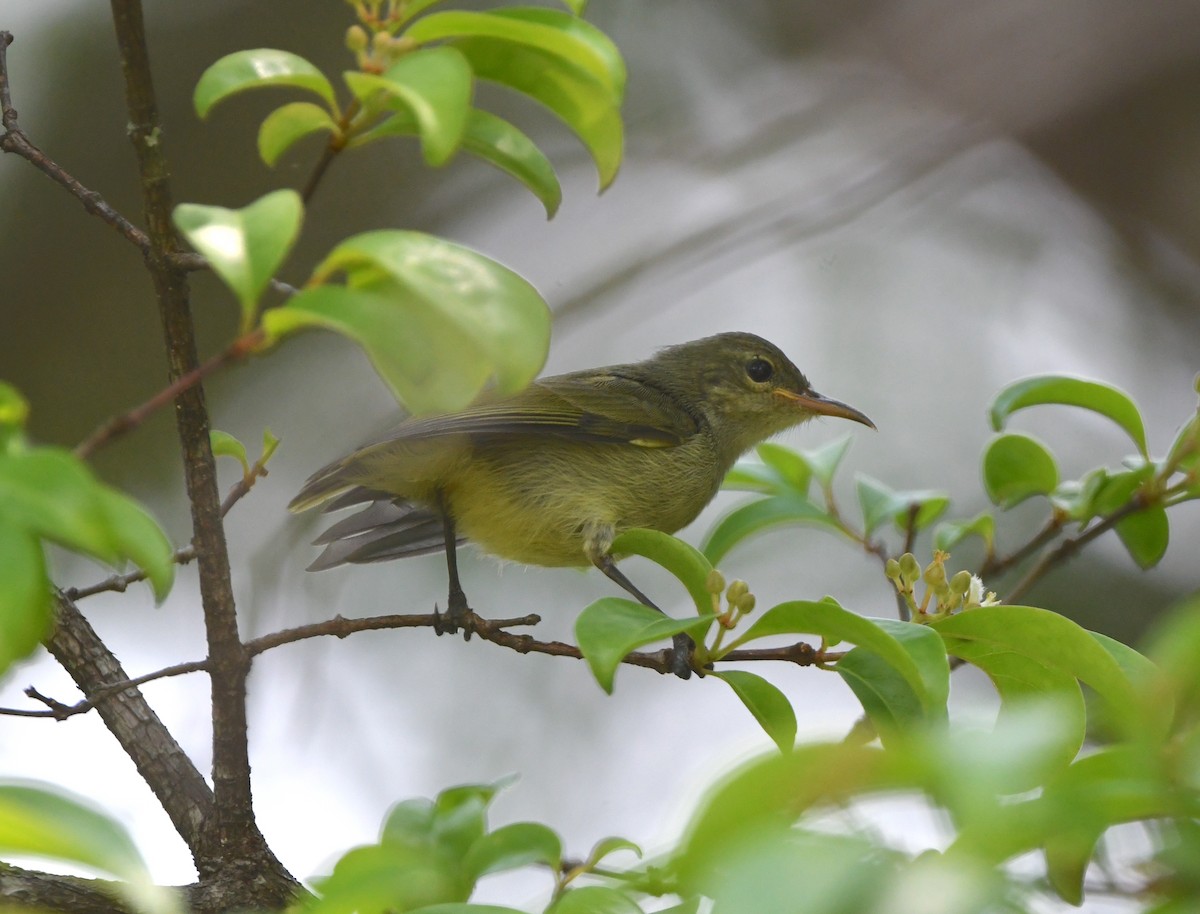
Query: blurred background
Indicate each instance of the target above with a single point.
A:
(918, 200)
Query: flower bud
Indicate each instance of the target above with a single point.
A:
(892, 570)
(736, 591)
(357, 39)
(746, 603)
(960, 583)
(715, 582)
(910, 570)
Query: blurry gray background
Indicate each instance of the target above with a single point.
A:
(919, 200)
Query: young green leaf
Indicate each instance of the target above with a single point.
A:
(1068, 391)
(25, 595)
(1016, 467)
(594, 899)
(138, 537)
(286, 126)
(389, 877)
(434, 85)
(794, 470)
(465, 907)
(949, 534)
(578, 7)
(225, 445)
(254, 69)
(564, 40)
(495, 141)
(878, 502)
(673, 554)
(610, 628)
(437, 320)
(513, 846)
(828, 620)
(1145, 535)
(769, 706)
(244, 246)
(611, 845)
(579, 100)
(824, 461)
(745, 521)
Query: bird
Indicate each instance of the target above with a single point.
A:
(551, 475)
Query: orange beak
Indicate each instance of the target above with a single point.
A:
(824, 406)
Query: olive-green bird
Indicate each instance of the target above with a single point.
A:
(551, 475)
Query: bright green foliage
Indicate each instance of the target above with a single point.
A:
(244, 246)
(415, 77)
(768, 704)
(437, 320)
(1067, 391)
(1016, 467)
(48, 494)
(610, 628)
(225, 445)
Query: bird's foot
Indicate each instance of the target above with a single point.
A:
(458, 617)
(681, 656)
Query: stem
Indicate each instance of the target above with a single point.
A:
(235, 853)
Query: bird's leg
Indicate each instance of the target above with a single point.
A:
(457, 608)
(684, 646)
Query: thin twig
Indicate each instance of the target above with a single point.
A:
(1068, 547)
(120, 425)
(15, 141)
(994, 566)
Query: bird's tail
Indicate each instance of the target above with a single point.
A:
(386, 529)
(328, 482)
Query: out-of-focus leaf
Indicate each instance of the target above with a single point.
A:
(512, 846)
(594, 899)
(1016, 467)
(244, 246)
(949, 534)
(389, 877)
(137, 536)
(769, 706)
(584, 33)
(226, 445)
(824, 461)
(610, 628)
(25, 594)
(286, 126)
(258, 68)
(1068, 391)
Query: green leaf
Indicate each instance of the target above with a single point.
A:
(137, 536)
(1016, 467)
(244, 246)
(286, 126)
(684, 561)
(610, 628)
(455, 907)
(579, 101)
(436, 320)
(578, 7)
(225, 445)
(793, 470)
(594, 899)
(751, 476)
(824, 461)
(568, 39)
(1184, 454)
(25, 614)
(513, 846)
(1115, 488)
(584, 33)
(495, 141)
(834, 624)
(1068, 391)
(769, 706)
(37, 822)
(1029, 638)
(257, 68)
(949, 534)
(386, 877)
(435, 85)
(14, 408)
(611, 845)
(745, 521)
(1145, 535)
(878, 502)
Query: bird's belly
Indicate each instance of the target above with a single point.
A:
(538, 505)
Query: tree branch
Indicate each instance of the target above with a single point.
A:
(22, 889)
(15, 141)
(163, 765)
(235, 855)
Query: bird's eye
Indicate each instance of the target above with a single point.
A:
(759, 370)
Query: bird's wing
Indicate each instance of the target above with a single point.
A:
(587, 407)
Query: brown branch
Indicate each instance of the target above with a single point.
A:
(30, 890)
(234, 861)
(1068, 547)
(14, 141)
(163, 765)
(994, 566)
(119, 425)
(61, 711)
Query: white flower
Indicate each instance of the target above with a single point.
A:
(975, 594)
